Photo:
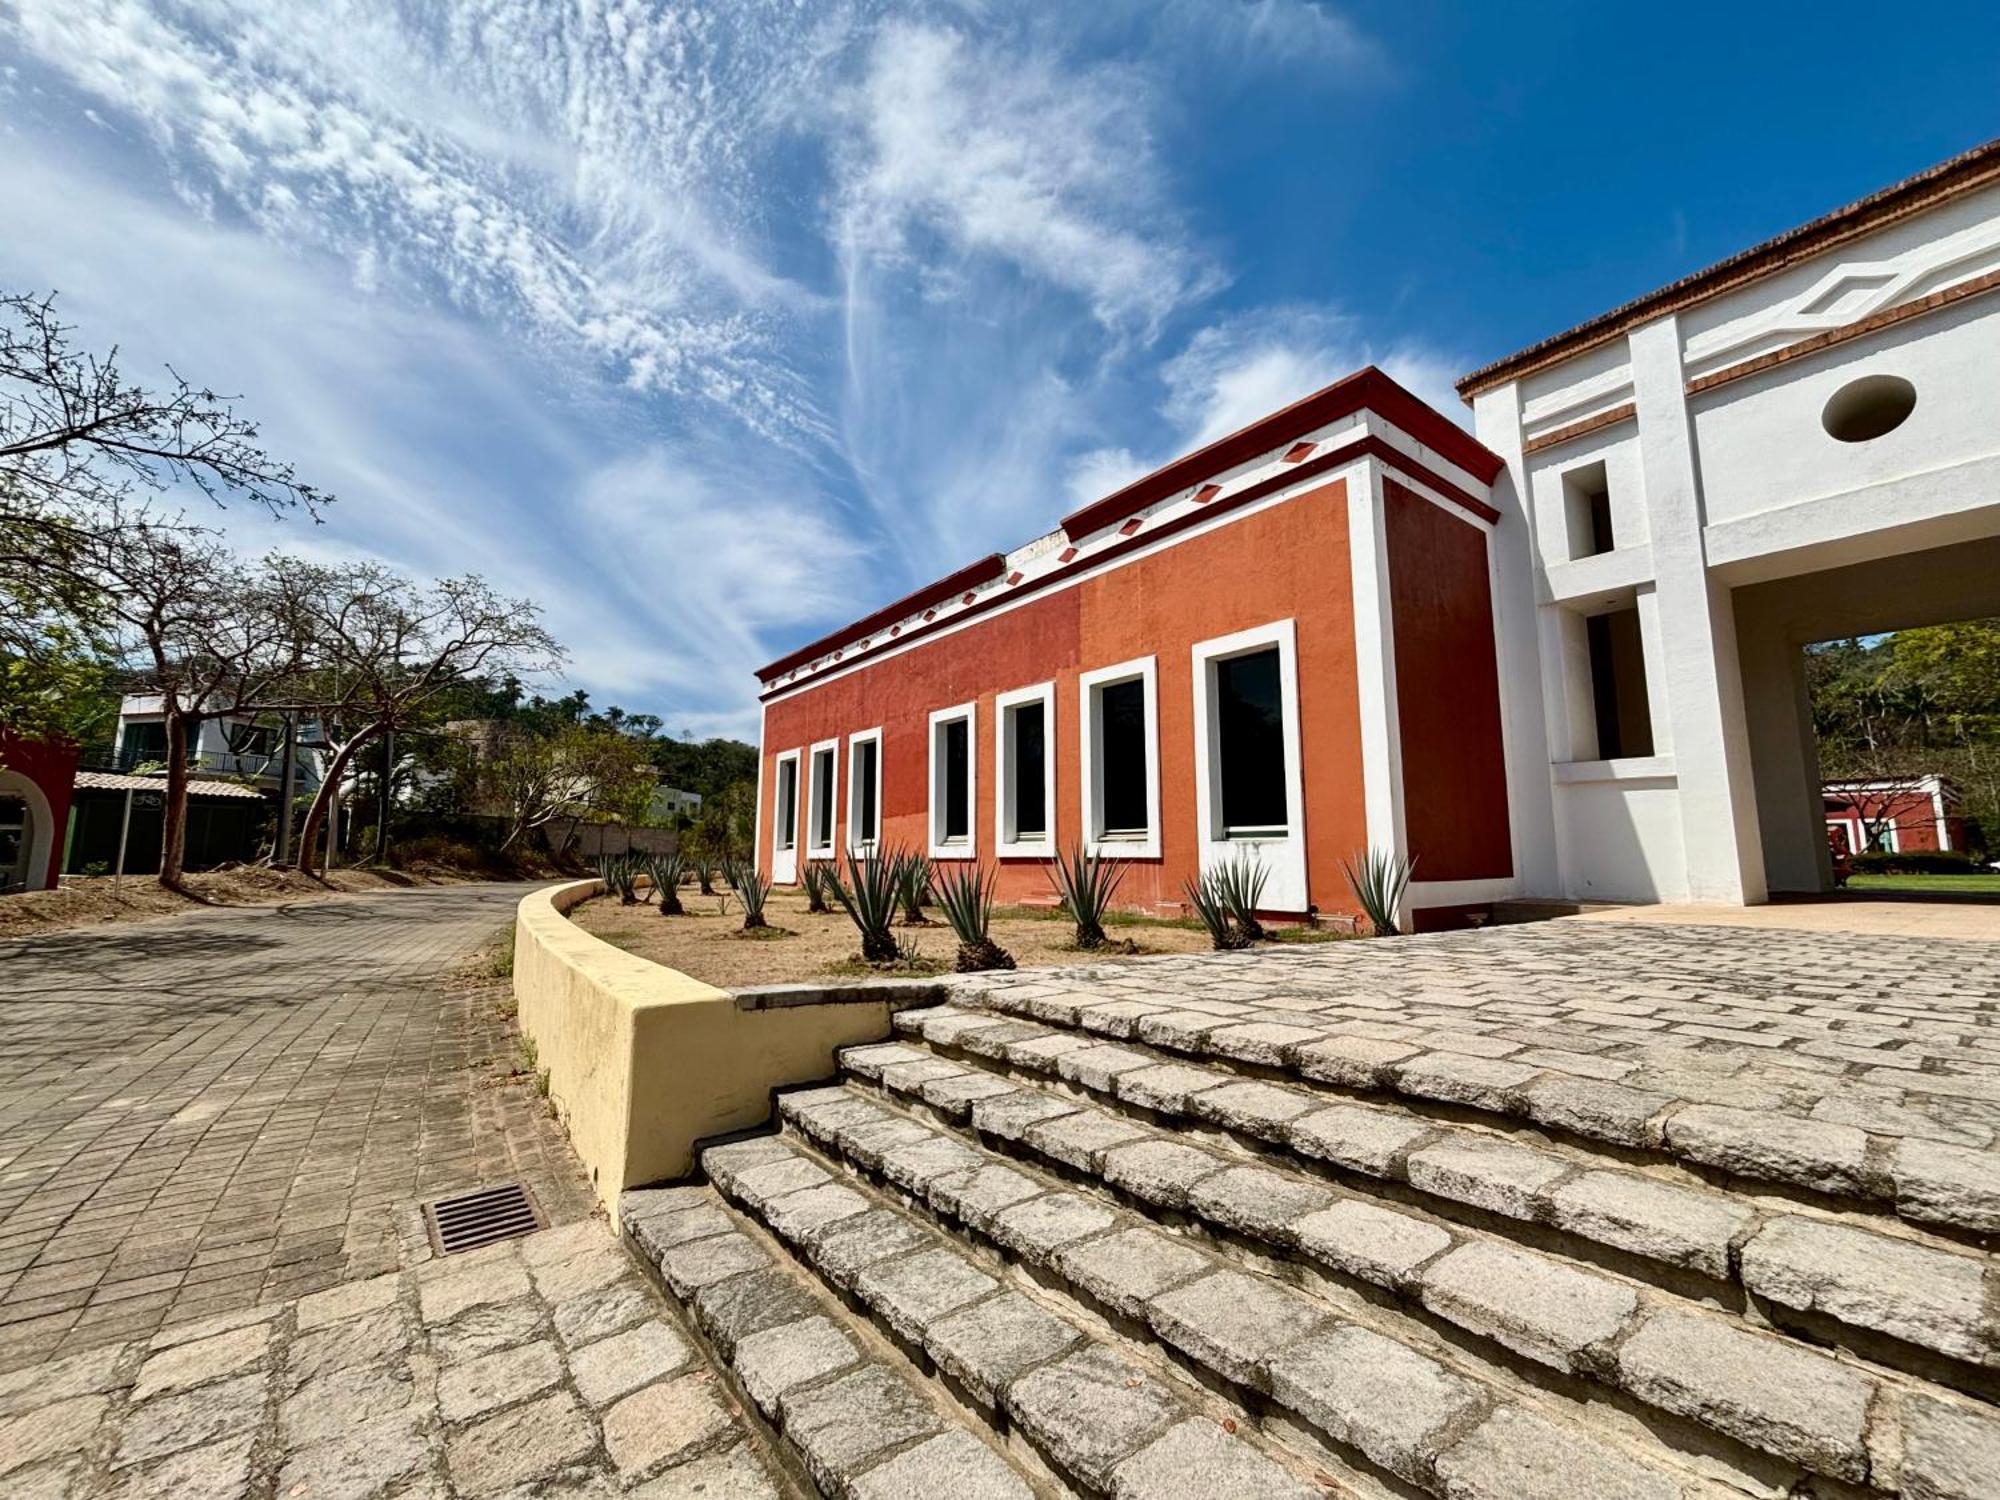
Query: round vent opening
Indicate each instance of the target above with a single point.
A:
(1868, 407)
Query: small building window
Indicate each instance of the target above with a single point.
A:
(1587, 511)
(1250, 745)
(820, 824)
(864, 789)
(1868, 408)
(1618, 685)
(1121, 759)
(786, 812)
(1024, 817)
(952, 778)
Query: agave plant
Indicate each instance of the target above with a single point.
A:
(913, 888)
(868, 896)
(1086, 882)
(1379, 878)
(814, 878)
(1211, 904)
(1240, 883)
(752, 889)
(620, 873)
(966, 894)
(703, 865)
(666, 870)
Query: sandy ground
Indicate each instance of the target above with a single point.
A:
(92, 900)
(710, 946)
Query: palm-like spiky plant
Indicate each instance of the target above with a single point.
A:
(703, 865)
(666, 870)
(619, 872)
(913, 888)
(1240, 883)
(753, 890)
(814, 878)
(1379, 878)
(966, 894)
(1086, 882)
(1205, 895)
(868, 896)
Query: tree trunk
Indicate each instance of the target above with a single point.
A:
(173, 812)
(323, 798)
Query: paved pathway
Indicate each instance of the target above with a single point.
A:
(543, 1367)
(233, 1108)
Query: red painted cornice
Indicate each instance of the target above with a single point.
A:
(1368, 388)
(969, 576)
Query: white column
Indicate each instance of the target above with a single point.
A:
(1375, 659)
(1700, 674)
(1518, 626)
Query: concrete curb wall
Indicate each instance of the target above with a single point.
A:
(643, 1061)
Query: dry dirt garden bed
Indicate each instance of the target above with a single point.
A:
(709, 943)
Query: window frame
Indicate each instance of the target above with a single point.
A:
(1005, 845)
(785, 855)
(815, 849)
(968, 847)
(1282, 852)
(1090, 743)
(854, 743)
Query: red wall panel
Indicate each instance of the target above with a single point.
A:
(1447, 692)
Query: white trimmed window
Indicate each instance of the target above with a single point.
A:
(864, 790)
(822, 811)
(1248, 791)
(1119, 714)
(954, 783)
(1024, 745)
(785, 818)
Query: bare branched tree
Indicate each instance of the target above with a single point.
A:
(87, 458)
(213, 637)
(385, 647)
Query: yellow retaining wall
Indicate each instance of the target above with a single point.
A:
(643, 1061)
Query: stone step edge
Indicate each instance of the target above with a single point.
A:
(1962, 1359)
(1877, 1398)
(960, 1321)
(879, 1171)
(1930, 1184)
(772, 1384)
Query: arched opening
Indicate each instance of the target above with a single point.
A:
(26, 833)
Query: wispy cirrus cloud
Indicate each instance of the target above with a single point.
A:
(707, 325)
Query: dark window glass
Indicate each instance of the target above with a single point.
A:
(144, 742)
(788, 803)
(823, 798)
(957, 780)
(1250, 734)
(1031, 793)
(864, 767)
(1618, 685)
(1121, 709)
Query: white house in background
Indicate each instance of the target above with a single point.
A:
(234, 747)
(1799, 443)
(670, 804)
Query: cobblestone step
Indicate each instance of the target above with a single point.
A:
(1087, 1408)
(1649, 1383)
(1912, 1302)
(847, 1408)
(1904, 1099)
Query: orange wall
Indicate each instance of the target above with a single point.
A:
(1288, 561)
(1447, 692)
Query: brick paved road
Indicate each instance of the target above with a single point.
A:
(236, 1107)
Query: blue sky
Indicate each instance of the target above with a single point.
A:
(711, 327)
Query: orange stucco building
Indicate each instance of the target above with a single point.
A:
(1283, 644)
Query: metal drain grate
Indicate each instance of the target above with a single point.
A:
(474, 1219)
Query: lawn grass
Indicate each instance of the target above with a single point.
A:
(1937, 885)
